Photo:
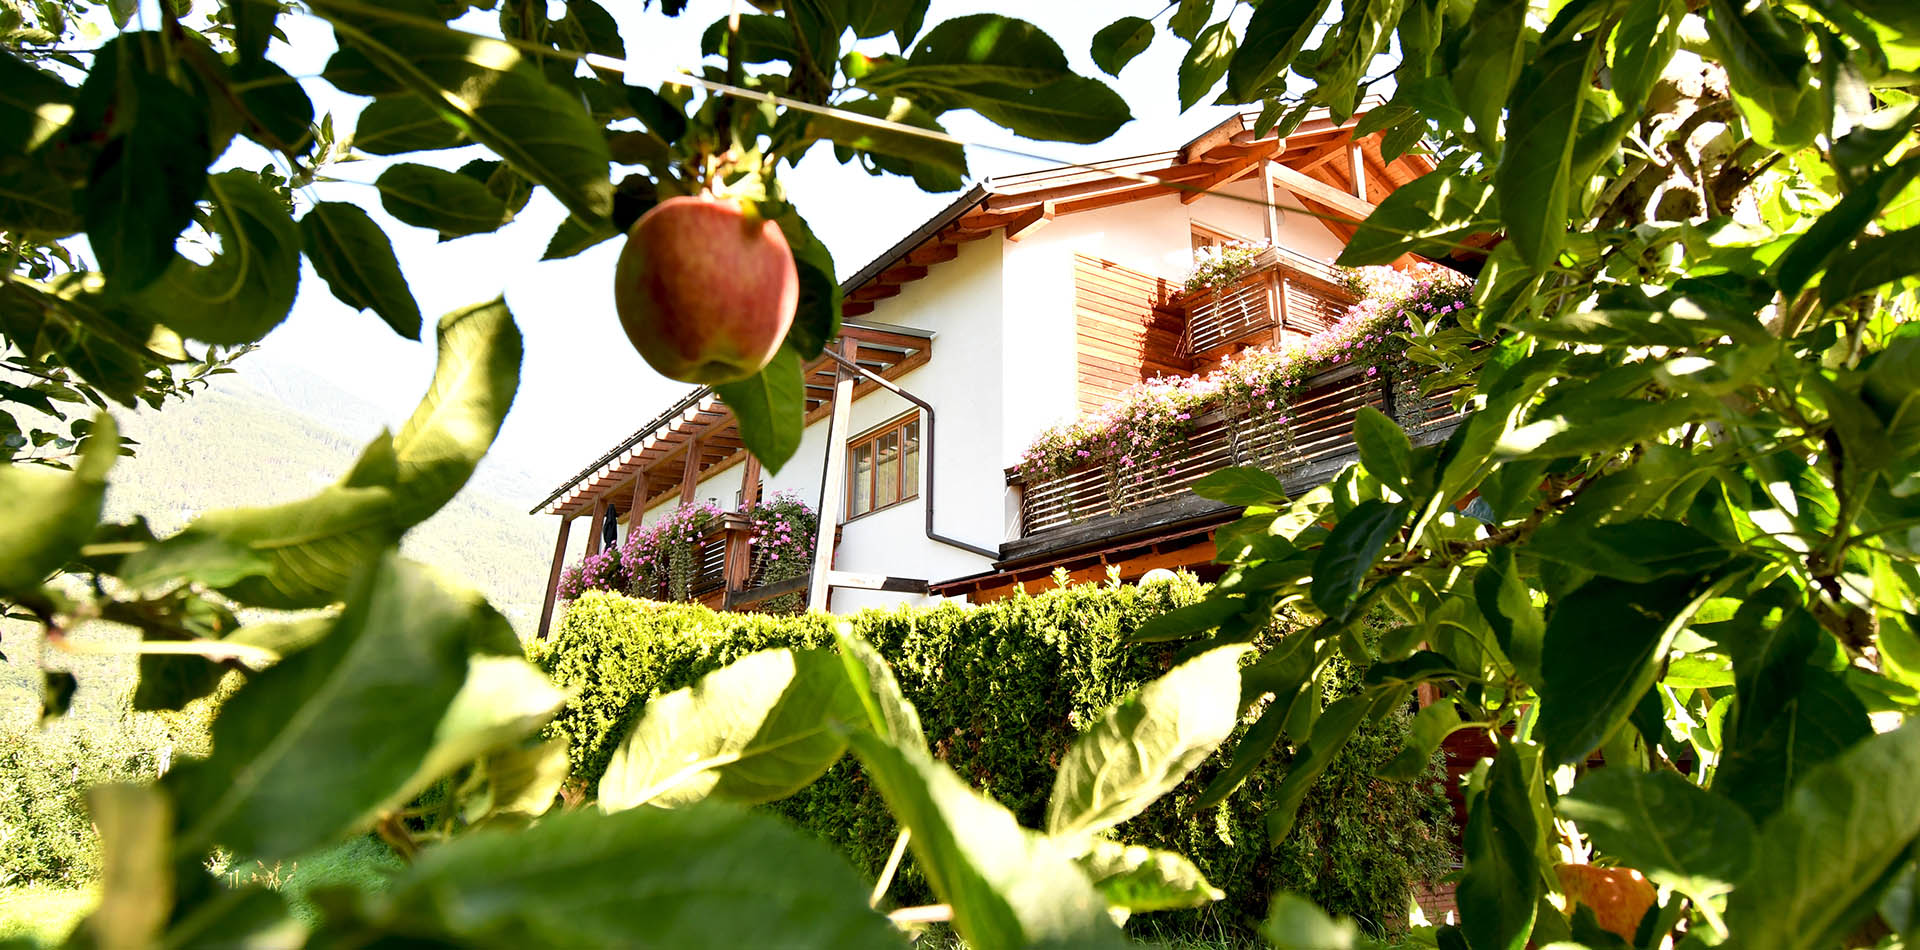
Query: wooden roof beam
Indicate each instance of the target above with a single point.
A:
(1231, 171)
(1030, 221)
(874, 291)
(902, 274)
(932, 253)
(1306, 186)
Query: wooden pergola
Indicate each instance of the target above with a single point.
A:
(698, 437)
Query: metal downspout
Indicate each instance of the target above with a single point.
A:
(927, 447)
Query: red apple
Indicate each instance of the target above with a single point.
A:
(705, 289)
(1619, 896)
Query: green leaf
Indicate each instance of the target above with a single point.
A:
(770, 408)
(1142, 747)
(1385, 451)
(1119, 42)
(1665, 827)
(524, 779)
(1768, 73)
(1789, 715)
(816, 317)
(1428, 216)
(33, 105)
(453, 204)
(1350, 551)
(170, 681)
(1295, 923)
(52, 513)
(889, 714)
(307, 748)
(1206, 61)
(1329, 735)
(279, 114)
(1008, 886)
(1873, 262)
(1811, 252)
(356, 259)
(755, 731)
(136, 877)
(504, 699)
(1643, 44)
(1502, 883)
(250, 285)
(1503, 598)
(496, 96)
(1011, 73)
(1191, 620)
(1288, 675)
(695, 878)
(1241, 485)
(572, 237)
(1142, 879)
(1820, 860)
(392, 125)
(314, 545)
(1490, 60)
(1274, 35)
(142, 187)
(1600, 425)
(1543, 116)
(1189, 16)
(1431, 726)
(915, 149)
(1602, 649)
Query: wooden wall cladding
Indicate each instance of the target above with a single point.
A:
(1122, 338)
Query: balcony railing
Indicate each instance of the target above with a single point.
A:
(1307, 449)
(1284, 294)
(728, 575)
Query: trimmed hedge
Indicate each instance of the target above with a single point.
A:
(1002, 690)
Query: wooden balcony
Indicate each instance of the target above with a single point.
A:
(1102, 500)
(727, 576)
(1286, 295)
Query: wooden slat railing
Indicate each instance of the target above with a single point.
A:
(1285, 293)
(1315, 442)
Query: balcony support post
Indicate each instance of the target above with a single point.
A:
(750, 483)
(690, 473)
(553, 576)
(833, 487)
(599, 525)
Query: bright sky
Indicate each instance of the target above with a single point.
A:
(582, 386)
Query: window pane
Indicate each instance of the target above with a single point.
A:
(862, 481)
(886, 480)
(910, 462)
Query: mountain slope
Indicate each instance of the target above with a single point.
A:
(237, 445)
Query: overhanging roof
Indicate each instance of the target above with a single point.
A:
(648, 466)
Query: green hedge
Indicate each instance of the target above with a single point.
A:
(1002, 690)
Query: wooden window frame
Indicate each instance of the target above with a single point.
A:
(1196, 229)
(898, 424)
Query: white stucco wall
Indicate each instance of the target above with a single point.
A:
(1299, 232)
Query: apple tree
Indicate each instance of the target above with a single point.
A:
(371, 679)
(1675, 531)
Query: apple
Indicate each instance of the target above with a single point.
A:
(1619, 896)
(705, 289)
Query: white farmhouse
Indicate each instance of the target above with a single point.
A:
(1028, 301)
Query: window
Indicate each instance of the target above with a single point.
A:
(883, 467)
(1204, 236)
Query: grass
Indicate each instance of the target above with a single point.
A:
(43, 913)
